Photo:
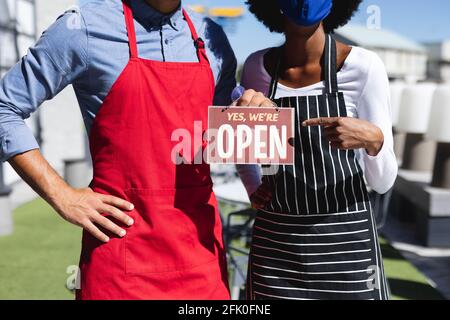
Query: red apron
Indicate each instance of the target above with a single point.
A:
(174, 250)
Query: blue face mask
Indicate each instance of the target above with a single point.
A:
(306, 12)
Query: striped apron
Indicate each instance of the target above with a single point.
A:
(317, 238)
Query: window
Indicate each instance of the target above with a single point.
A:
(17, 30)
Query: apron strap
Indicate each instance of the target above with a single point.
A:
(198, 42)
(275, 76)
(329, 68)
(330, 61)
(129, 20)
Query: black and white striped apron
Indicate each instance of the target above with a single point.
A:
(317, 239)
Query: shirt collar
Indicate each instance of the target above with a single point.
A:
(148, 15)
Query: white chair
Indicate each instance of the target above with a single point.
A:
(396, 90)
(413, 119)
(439, 130)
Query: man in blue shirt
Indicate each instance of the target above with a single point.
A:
(89, 48)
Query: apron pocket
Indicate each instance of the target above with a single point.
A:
(173, 230)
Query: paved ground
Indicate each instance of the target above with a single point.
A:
(55, 244)
(434, 263)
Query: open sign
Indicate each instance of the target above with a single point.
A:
(247, 135)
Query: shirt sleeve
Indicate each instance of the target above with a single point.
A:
(374, 106)
(221, 48)
(250, 174)
(55, 61)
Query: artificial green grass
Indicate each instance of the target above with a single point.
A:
(34, 260)
(405, 281)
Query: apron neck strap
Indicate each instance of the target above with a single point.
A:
(330, 61)
(276, 74)
(129, 20)
(198, 42)
(329, 68)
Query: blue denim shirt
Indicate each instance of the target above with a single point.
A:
(88, 48)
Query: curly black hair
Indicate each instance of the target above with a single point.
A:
(268, 12)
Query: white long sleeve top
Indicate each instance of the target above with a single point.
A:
(365, 85)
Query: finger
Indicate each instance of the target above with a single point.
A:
(259, 200)
(257, 100)
(95, 232)
(257, 206)
(331, 130)
(117, 214)
(333, 121)
(335, 130)
(109, 225)
(266, 194)
(117, 202)
(265, 191)
(342, 145)
(268, 104)
(258, 203)
(246, 98)
(334, 137)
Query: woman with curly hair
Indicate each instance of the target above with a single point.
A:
(315, 236)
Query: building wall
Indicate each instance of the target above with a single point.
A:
(62, 123)
(401, 64)
(62, 126)
(445, 72)
(409, 66)
(439, 63)
(21, 11)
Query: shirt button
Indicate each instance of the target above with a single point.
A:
(166, 41)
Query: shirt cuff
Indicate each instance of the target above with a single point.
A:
(250, 176)
(252, 187)
(378, 156)
(17, 140)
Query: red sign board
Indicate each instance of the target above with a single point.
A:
(248, 135)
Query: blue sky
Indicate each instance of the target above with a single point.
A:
(423, 21)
